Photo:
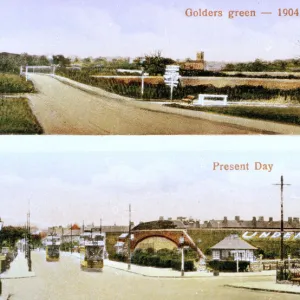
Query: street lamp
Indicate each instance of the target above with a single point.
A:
(181, 243)
(1, 225)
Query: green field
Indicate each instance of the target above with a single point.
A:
(10, 83)
(288, 115)
(16, 117)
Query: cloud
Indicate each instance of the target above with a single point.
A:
(94, 30)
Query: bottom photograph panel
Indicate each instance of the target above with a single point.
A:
(93, 218)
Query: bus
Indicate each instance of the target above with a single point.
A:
(92, 251)
(52, 248)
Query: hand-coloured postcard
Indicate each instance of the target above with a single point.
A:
(99, 67)
(145, 219)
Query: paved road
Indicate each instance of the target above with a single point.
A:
(64, 280)
(63, 109)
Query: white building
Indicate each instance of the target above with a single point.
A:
(233, 246)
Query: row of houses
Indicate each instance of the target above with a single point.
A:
(237, 223)
(72, 232)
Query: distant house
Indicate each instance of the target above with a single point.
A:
(233, 246)
(120, 246)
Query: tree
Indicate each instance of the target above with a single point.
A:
(61, 60)
(155, 63)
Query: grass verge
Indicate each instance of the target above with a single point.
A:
(16, 117)
(287, 115)
(10, 83)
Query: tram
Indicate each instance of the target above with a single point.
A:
(52, 248)
(92, 251)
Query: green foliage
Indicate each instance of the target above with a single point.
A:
(163, 258)
(118, 257)
(10, 63)
(228, 266)
(15, 84)
(66, 246)
(9, 235)
(16, 117)
(276, 114)
(155, 64)
(259, 66)
(161, 91)
(61, 60)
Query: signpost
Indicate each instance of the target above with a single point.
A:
(171, 77)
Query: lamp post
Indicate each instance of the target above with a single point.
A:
(1, 225)
(181, 242)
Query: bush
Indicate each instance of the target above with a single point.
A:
(188, 265)
(228, 266)
(15, 84)
(163, 258)
(118, 257)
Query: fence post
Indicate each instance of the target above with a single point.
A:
(289, 262)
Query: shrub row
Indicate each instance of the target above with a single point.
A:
(161, 91)
(161, 259)
(228, 266)
(15, 84)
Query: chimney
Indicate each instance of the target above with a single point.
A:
(260, 219)
(290, 220)
(296, 220)
(225, 220)
(254, 221)
(270, 219)
(237, 218)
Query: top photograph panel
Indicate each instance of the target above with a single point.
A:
(149, 67)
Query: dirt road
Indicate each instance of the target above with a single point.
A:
(63, 109)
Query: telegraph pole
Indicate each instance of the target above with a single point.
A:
(29, 242)
(129, 239)
(71, 239)
(281, 223)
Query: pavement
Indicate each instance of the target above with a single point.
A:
(169, 273)
(267, 286)
(18, 268)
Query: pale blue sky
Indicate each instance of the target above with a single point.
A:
(134, 28)
(70, 179)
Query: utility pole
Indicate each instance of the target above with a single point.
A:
(71, 239)
(281, 223)
(129, 239)
(29, 242)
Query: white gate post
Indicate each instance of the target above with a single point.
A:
(142, 88)
(26, 73)
(225, 100)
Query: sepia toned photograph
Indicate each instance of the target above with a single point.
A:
(99, 67)
(106, 220)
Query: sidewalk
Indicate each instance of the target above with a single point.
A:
(18, 268)
(267, 286)
(169, 273)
